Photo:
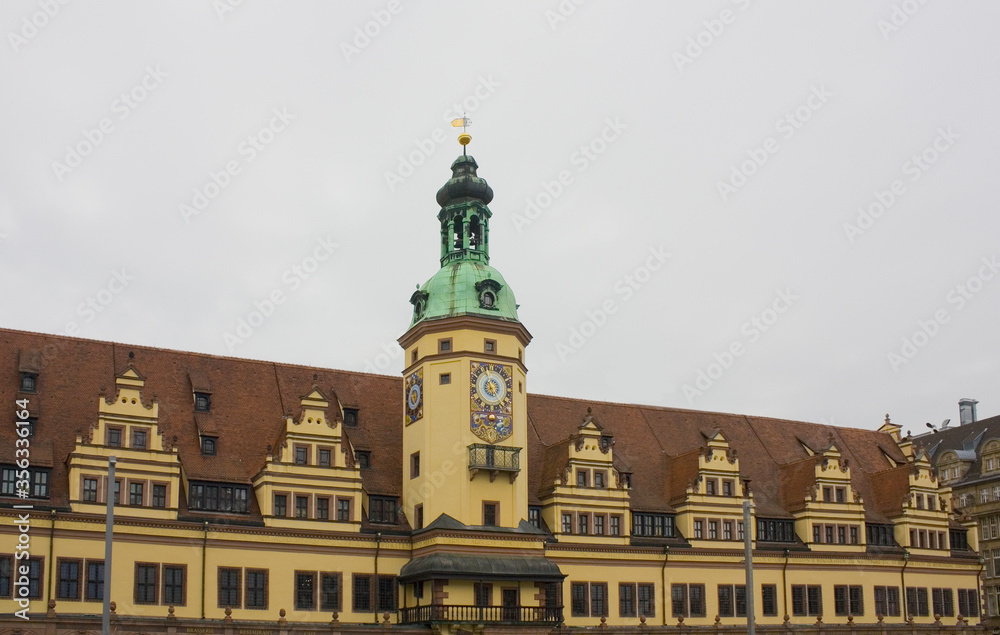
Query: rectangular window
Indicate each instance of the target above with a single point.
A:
(218, 497)
(599, 479)
(415, 465)
(135, 494)
(615, 525)
(727, 530)
(329, 592)
(848, 600)
(583, 524)
(490, 514)
(829, 534)
(305, 591)
(351, 417)
(727, 487)
(968, 603)
(841, 494)
(302, 507)
(854, 535)
(842, 535)
(578, 595)
(95, 580)
(626, 600)
(138, 439)
(444, 379)
(710, 486)
(483, 593)
(699, 529)
(418, 512)
(387, 600)
(202, 401)
(382, 509)
(90, 490)
(256, 590)
(567, 523)
(732, 600)
(69, 580)
(944, 602)
(688, 600)
(769, 599)
(598, 599)
(418, 590)
(887, 601)
(582, 478)
(324, 458)
(301, 455)
(114, 437)
(647, 600)
(159, 496)
(444, 346)
(827, 494)
(362, 593)
(146, 582)
(535, 516)
(229, 587)
(489, 346)
(916, 601)
(280, 505)
(598, 525)
(344, 509)
(173, 585)
(713, 530)
(807, 599)
(322, 508)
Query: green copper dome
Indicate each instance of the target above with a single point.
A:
(466, 284)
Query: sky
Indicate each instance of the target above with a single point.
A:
(782, 208)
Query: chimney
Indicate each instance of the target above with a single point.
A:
(967, 411)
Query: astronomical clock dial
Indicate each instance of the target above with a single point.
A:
(490, 392)
(414, 388)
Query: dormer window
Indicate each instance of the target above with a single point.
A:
(364, 459)
(29, 382)
(488, 291)
(209, 445)
(605, 442)
(351, 417)
(202, 402)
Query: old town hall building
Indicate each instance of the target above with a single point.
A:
(255, 497)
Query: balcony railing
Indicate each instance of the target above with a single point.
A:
(483, 614)
(495, 458)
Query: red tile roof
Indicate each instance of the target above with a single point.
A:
(249, 400)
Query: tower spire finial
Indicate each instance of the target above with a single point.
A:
(465, 137)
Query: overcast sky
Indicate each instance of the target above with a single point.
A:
(780, 208)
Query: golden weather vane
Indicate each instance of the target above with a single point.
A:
(465, 137)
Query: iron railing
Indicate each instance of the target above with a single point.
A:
(499, 614)
(494, 457)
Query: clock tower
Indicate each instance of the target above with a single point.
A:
(465, 416)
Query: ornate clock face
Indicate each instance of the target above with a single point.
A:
(414, 393)
(490, 393)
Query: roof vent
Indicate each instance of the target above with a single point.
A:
(967, 411)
